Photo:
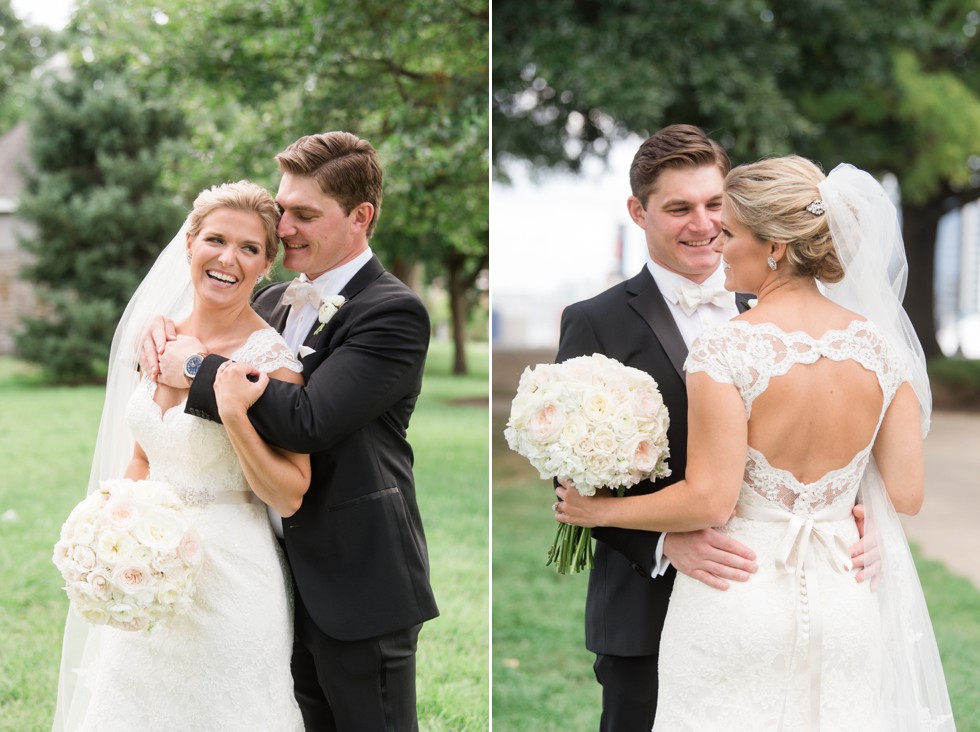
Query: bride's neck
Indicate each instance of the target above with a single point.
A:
(788, 287)
(215, 327)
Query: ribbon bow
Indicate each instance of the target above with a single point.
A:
(690, 295)
(300, 292)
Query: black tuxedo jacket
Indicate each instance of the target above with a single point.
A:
(356, 546)
(632, 323)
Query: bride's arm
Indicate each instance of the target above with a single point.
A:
(278, 477)
(139, 465)
(898, 452)
(717, 438)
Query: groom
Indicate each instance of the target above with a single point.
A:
(356, 545)
(649, 322)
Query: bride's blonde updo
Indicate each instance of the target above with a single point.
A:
(770, 199)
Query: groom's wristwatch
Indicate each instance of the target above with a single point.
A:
(192, 364)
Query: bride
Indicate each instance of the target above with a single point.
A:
(225, 665)
(814, 400)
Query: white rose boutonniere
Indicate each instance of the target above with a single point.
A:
(328, 308)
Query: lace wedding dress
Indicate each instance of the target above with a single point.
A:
(225, 665)
(797, 647)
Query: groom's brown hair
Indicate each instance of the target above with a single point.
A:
(344, 166)
(674, 146)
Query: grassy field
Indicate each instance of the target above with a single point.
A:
(47, 435)
(542, 674)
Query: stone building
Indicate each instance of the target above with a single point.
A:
(16, 296)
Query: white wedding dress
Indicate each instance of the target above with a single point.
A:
(225, 665)
(797, 646)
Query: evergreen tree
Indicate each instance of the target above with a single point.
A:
(98, 212)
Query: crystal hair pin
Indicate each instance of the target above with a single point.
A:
(817, 208)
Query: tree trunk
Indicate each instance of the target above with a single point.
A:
(408, 271)
(919, 231)
(457, 307)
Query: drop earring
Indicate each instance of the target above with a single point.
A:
(188, 257)
(260, 277)
(772, 263)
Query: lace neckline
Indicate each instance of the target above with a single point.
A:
(852, 327)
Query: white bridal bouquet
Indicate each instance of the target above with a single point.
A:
(590, 422)
(128, 555)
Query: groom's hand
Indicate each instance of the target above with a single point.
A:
(710, 556)
(158, 333)
(864, 553)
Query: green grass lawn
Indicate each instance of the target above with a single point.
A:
(47, 435)
(542, 674)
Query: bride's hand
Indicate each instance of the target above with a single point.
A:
(159, 331)
(237, 386)
(574, 508)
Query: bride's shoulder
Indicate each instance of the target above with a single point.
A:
(267, 350)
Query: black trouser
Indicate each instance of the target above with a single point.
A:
(629, 692)
(354, 686)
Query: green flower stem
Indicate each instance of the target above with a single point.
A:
(571, 550)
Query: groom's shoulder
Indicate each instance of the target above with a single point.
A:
(272, 291)
(614, 296)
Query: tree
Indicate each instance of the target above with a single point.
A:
(253, 75)
(98, 212)
(21, 50)
(870, 83)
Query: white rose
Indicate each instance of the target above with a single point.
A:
(574, 430)
(121, 513)
(83, 533)
(84, 558)
(605, 441)
(112, 547)
(131, 578)
(597, 405)
(546, 422)
(95, 615)
(190, 549)
(159, 531)
(644, 456)
(647, 403)
(100, 585)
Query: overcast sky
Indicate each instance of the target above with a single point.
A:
(52, 13)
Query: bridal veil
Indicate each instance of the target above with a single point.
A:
(867, 236)
(166, 290)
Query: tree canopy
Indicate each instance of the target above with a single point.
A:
(251, 76)
(887, 85)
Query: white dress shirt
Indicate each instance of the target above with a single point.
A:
(301, 319)
(691, 327)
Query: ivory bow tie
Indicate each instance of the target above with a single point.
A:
(690, 295)
(299, 293)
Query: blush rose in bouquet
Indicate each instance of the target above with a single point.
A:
(589, 422)
(128, 555)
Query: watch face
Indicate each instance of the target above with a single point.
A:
(192, 365)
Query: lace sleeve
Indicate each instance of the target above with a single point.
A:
(709, 353)
(267, 351)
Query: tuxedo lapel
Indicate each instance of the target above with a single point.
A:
(650, 305)
(742, 301)
(367, 274)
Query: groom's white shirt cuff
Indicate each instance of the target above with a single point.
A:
(661, 562)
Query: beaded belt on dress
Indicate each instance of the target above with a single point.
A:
(233, 497)
(797, 553)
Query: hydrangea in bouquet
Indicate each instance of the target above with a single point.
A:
(128, 555)
(589, 422)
